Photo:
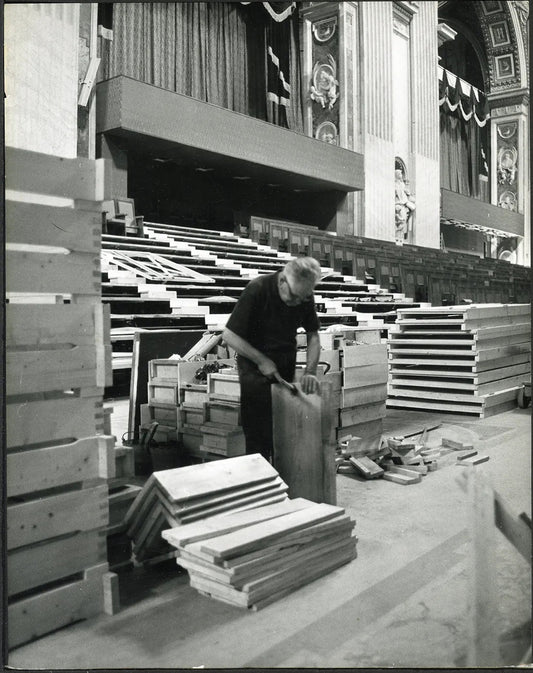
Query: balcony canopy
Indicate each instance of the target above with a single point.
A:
(192, 133)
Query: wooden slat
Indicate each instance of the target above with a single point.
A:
(352, 397)
(75, 273)
(51, 560)
(49, 324)
(258, 535)
(39, 469)
(221, 524)
(39, 614)
(34, 421)
(362, 414)
(74, 229)
(30, 520)
(364, 354)
(38, 173)
(355, 377)
(48, 370)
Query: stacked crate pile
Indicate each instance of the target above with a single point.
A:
(178, 399)
(356, 364)
(222, 433)
(463, 359)
(58, 361)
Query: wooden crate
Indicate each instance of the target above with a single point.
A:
(194, 395)
(163, 391)
(225, 413)
(224, 387)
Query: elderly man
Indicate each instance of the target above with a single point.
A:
(262, 330)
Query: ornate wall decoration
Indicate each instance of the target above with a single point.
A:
(327, 132)
(507, 165)
(507, 200)
(324, 89)
(505, 67)
(324, 83)
(507, 131)
(499, 34)
(325, 29)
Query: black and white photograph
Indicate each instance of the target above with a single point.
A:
(267, 335)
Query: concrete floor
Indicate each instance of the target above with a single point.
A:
(401, 603)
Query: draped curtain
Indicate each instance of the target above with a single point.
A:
(463, 139)
(211, 51)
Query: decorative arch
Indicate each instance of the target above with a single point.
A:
(504, 28)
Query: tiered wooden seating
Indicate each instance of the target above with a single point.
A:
(141, 301)
(186, 494)
(254, 558)
(462, 359)
(57, 364)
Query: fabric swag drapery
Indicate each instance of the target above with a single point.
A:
(463, 137)
(213, 51)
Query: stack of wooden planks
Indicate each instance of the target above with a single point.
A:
(251, 559)
(58, 361)
(462, 359)
(173, 497)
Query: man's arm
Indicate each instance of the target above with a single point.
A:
(309, 380)
(264, 364)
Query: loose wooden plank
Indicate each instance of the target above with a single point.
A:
(402, 478)
(38, 224)
(32, 617)
(38, 469)
(368, 468)
(30, 520)
(34, 565)
(75, 273)
(303, 457)
(39, 173)
(226, 523)
(192, 481)
(233, 544)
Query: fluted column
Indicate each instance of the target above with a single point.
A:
(377, 126)
(425, 177)
(41, 77)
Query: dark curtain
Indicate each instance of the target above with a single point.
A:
(212, 51)
(463, 160)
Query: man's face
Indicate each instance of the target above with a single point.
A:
(294, 292)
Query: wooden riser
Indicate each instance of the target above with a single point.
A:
(52, 560)
(39, 469)
(490, 404)
(32, 520)
(479, 378)
(351, 397)
(44, 612)
(361, 414)
(30, 420)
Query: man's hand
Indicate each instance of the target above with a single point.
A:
(309, 384)
(267, 368)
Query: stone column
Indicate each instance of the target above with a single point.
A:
(377, 121)
(425, 177)
(509, 160)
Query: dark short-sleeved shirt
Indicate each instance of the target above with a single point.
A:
(266, 322)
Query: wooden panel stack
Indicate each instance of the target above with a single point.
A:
(58, 361)
(253, 558)
(462, 359)
(364, 391)
(182, 495)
